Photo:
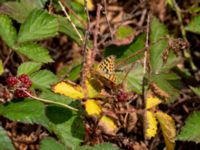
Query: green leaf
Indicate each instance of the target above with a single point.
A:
(56, 97)
(38, 25)
(19, 10)
(123, 32)
(50, 143)
(7, 31)
(191, 132)
(5, 141)
(104, 146)
(28, 68)
(196, 90)
(1, 67)
(27, 111)
(75, 73)
(169, 83)
(67, 126)
(43, 79)
(66, 28)
(35, 52)
(134, 78)
(123, 52)
(157, 31)
(194, 25)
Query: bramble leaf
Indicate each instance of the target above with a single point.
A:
(27, 111)
(65, 27)
(196, 90)
(168, 129)
(38, 25)
(51, 96)
(43, 79)
(92, 107)
(123, 52)
(193, 26)
(68, 89)
(50, 143)
(150, 124)
(19, 10)
(5, 141)
(152, 100)
(191, 132)
(28, 68)
(35, 52)
(157, 31)
(67, 125)
(134, 78)
(108, 125)
(7, 31)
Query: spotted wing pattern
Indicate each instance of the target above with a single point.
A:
(106, 68)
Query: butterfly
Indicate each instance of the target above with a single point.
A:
(106, 69)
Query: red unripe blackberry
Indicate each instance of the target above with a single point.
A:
(122, 96)
(12, 81)
(21, 94)
(25, 80)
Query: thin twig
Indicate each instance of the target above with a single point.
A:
(96, 31)
(74, 13)
(72, 24)
(122, 62)
(7, 58)
(146, 46)
(87, 13)
(49, 101)
(109, 26)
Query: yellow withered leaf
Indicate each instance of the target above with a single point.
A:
(68, 89)
(168, 129)
(151, 125)
(152, 101)
(92, 88)
(108, 125)
(92, 107)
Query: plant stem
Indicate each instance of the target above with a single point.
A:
(72, 24)
(49, 101)
(186, 54)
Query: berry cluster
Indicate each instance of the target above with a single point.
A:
(25, 80)
(19, 83)
(122, 96)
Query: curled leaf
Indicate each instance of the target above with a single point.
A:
(151, 125)
(168, 129)
(68, 89)
(108, 125)
(92, 107)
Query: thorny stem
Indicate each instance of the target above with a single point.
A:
(86, 52)
(186, 54)
(48, 101)
(146, 62)
(72, 24)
